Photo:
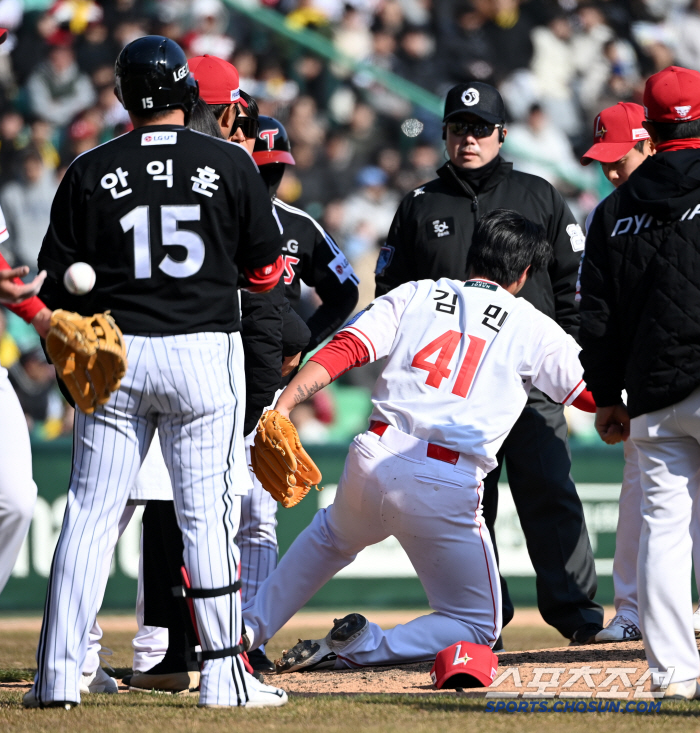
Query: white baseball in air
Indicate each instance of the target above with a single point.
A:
(79, 278)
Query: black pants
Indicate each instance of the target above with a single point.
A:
(537, 458)
(162, 560)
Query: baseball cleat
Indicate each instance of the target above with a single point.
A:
(98, 681)
(30, 701)
(259, 661)
(619, 628)
(585, 634)
(321, 653)
(170, 682)
(689, 690)
(696, 621)
(260, 695)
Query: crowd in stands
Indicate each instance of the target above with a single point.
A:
(556, 62)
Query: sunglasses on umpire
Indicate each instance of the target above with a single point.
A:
(247, 125)
(475, 129)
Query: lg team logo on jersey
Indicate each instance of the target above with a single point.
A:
(341, 267)
(470, 97)
(269, 136)
(181, 73)
(159, 138)
(439, 228)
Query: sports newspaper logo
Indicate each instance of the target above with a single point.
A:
(610, 683)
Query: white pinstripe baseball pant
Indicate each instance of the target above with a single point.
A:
(257, 535)
(189, 387)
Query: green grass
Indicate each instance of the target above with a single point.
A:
(152, 713)
(341, 713)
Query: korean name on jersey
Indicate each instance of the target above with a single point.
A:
(461, 358)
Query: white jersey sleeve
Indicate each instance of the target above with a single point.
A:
(377, 325)
(551, 361)
(4, 234)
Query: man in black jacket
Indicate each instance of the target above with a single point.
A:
(640, 331)
(429, 238)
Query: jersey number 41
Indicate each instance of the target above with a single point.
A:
(446, 345)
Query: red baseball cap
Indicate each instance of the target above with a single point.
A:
(673, 95)
(217, 79)
(616, 131)
(464, 665)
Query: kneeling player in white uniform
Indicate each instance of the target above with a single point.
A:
(460, 360)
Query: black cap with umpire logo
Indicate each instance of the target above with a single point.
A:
(478, 99)
(152, 74)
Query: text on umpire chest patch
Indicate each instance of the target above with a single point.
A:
(438, 228)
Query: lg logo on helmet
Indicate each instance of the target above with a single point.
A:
(470, 97)
(181, 73)
(269, 137)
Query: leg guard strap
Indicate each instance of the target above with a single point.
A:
(181, 591)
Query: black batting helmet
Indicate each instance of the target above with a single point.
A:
(272, 143)
(152, 74)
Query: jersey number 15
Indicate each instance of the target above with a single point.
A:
(446, 345)
(138, 219)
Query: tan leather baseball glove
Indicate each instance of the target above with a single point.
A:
(89, 355)
(280, 462)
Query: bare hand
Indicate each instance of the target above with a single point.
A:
(42, 322)
(290, 363)
(12, 293)
(612, 424)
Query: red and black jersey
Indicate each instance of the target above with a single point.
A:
(312, 257)
(169, 219)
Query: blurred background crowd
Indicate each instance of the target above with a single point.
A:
(360, 140)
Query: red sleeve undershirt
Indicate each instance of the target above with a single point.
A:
(30, 307)
(346, 351)
(585, 402)
(343, 353)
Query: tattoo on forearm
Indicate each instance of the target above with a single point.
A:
(305, 391)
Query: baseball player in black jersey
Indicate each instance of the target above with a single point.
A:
(171, 221)
(310, 254)
(168, 634)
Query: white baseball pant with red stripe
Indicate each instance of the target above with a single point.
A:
(391, 487)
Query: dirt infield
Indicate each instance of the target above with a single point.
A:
(610, 671)
(602, 671)
(546, 670)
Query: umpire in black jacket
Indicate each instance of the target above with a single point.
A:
(640, 331)
(429, 238)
